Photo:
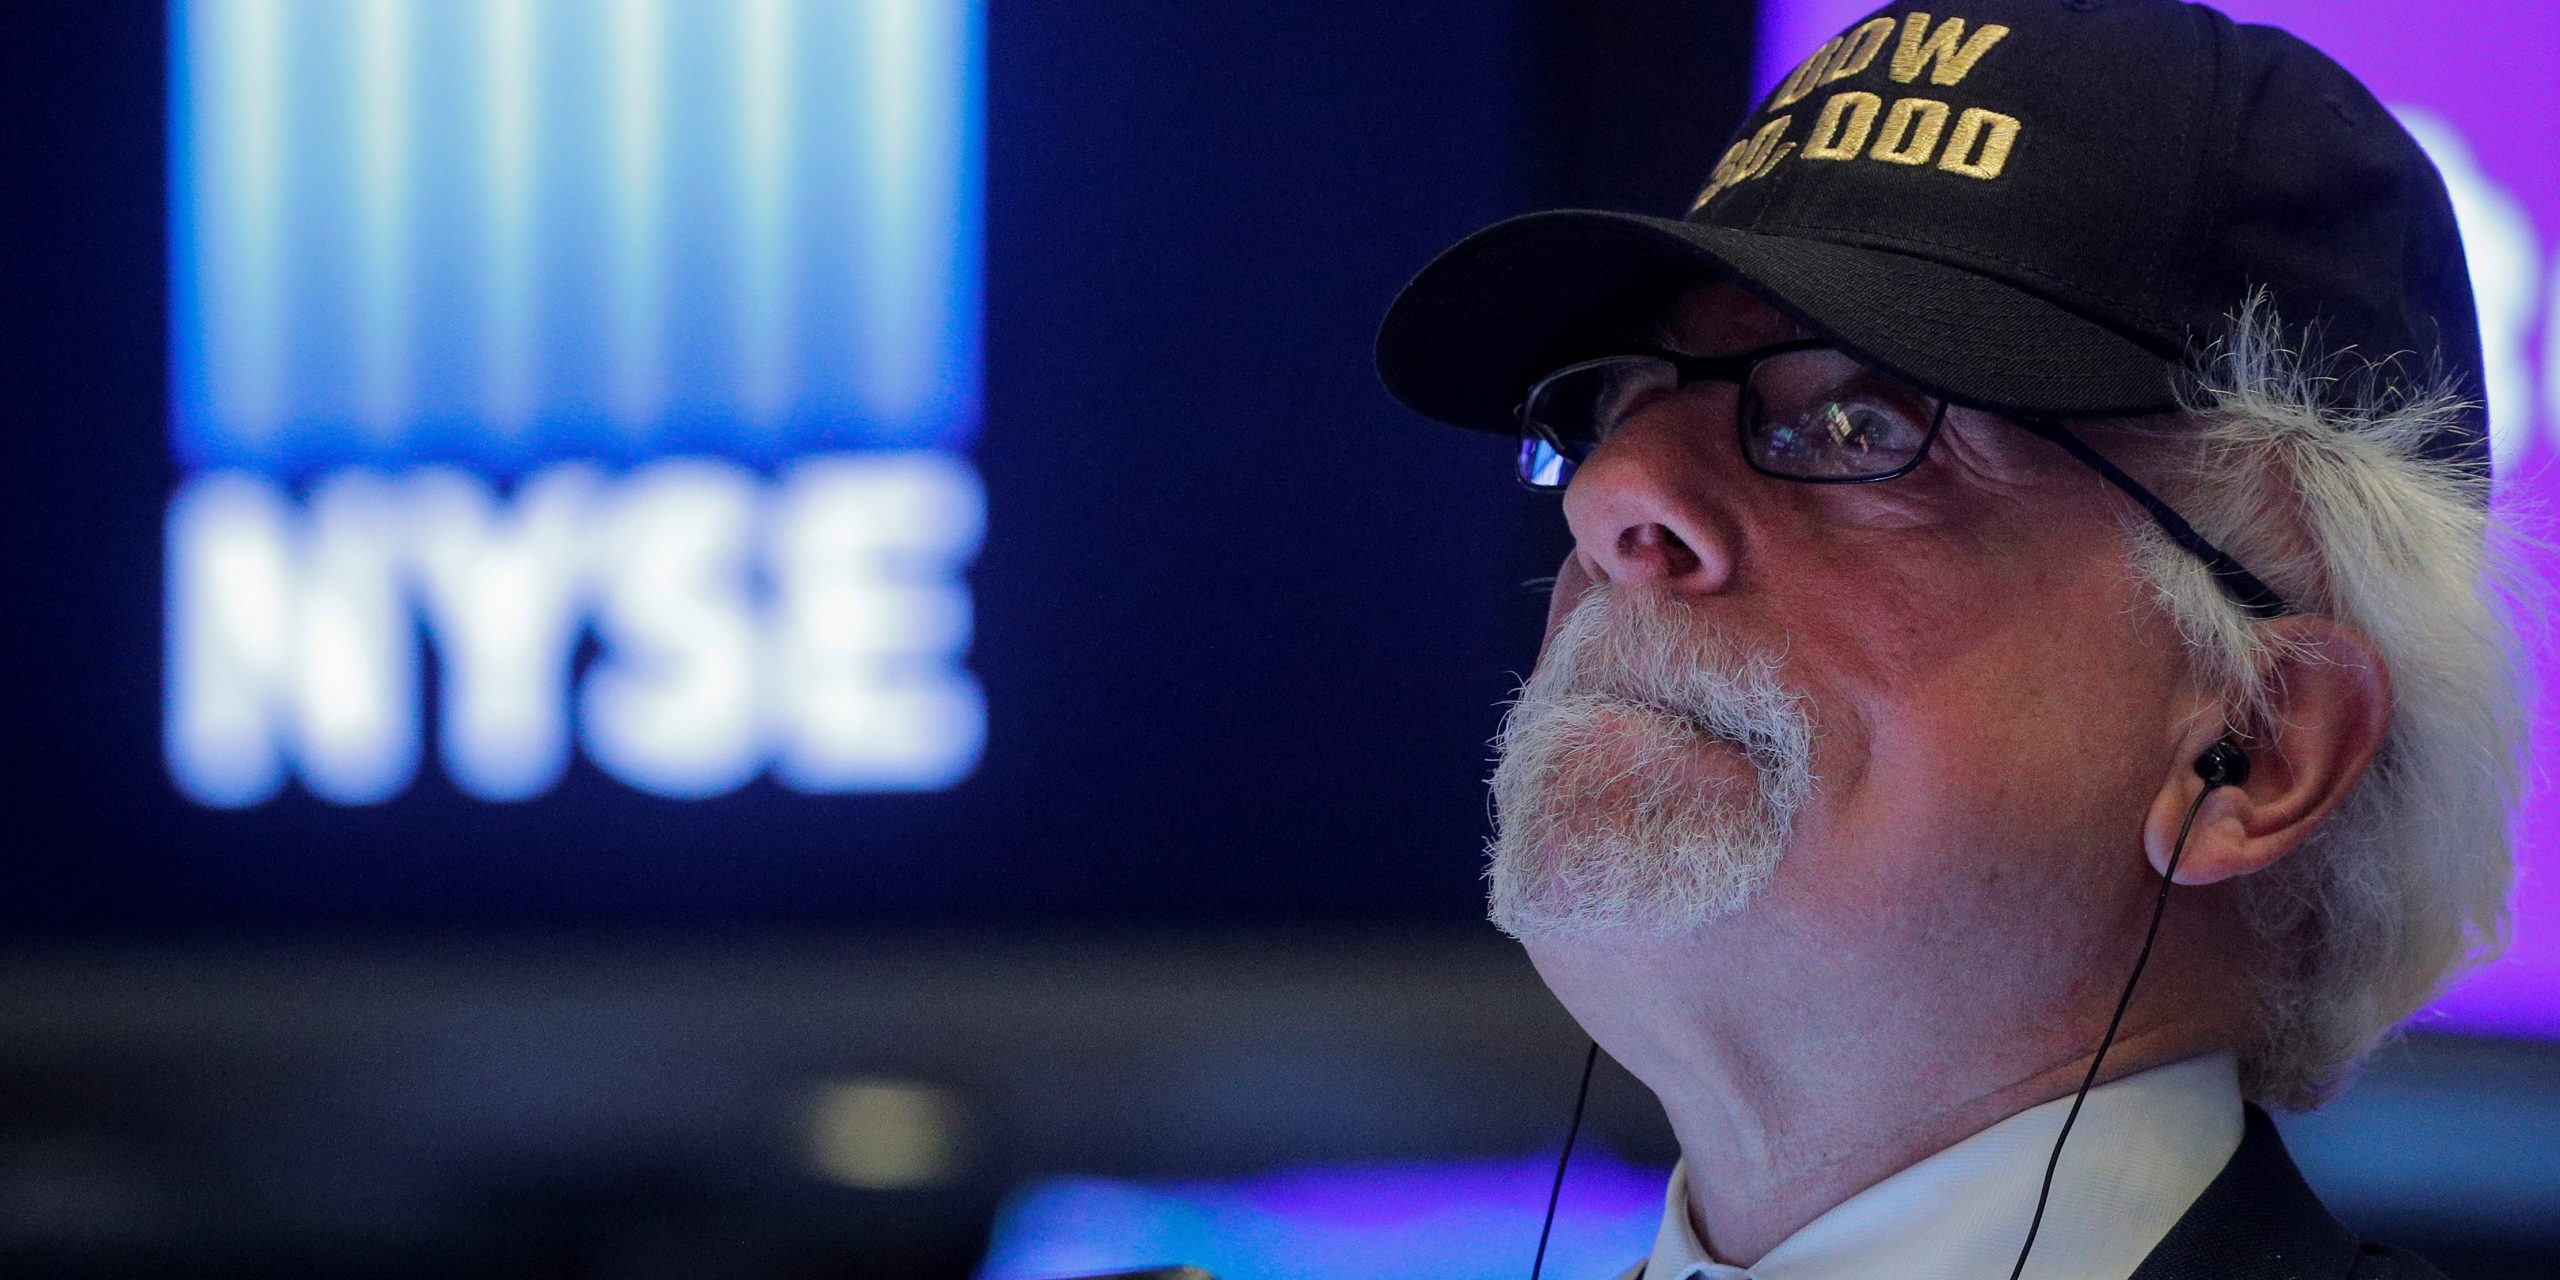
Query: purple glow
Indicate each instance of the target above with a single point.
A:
(2473, 82)
(1453, 1221)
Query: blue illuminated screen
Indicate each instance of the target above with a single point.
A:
(609, 368)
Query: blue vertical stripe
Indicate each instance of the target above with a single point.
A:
(636, 114)
(379, 84)
(228, 181)
(764, 196)
(918, 120)
(508, 55)
(506, 231)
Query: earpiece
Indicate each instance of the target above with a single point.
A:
(2223, 764)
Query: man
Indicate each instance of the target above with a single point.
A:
(2045, 460)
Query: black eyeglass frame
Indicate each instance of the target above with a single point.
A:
(2246, 589)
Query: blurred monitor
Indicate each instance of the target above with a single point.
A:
(627, 464)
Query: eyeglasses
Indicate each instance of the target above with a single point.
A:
(1809, 414)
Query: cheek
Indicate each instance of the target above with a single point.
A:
(1571, 582)
(1984, 748)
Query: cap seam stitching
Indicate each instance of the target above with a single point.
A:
(2140, 314)
(2201, 23)
(2224, 93)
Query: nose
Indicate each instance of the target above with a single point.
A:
(1651, 508)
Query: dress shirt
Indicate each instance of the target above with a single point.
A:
(2143, 1149)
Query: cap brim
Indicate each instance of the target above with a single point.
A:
(1511, 302)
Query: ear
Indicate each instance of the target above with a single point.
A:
(2331, 707)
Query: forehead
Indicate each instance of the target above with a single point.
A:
(1718, 315)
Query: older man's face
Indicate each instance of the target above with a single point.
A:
(1985, 698)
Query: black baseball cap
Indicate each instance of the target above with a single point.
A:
(2044, 208)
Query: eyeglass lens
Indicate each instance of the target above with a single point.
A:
(1820, 415)
(1806, 415)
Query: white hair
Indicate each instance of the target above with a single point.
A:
(1601, 821)
(2322, 487)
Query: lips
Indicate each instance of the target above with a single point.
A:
(1696, 722)
(1657, 743)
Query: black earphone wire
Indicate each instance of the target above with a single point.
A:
(2115, 1023)
(2159, 909)
(1580, 1096)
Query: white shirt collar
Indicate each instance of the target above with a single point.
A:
(2143, 1149)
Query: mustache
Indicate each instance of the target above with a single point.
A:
(1599, 822)
(1655, 654)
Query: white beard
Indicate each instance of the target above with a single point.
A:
(1600, 821)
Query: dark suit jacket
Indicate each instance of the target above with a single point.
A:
(2258, 1220)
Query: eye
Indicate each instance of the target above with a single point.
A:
(1840, 439)
(1819, 419)
(1855, 432)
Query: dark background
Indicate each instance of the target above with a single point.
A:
(1243, 622)
(1210, 905)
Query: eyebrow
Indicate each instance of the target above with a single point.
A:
(1668, 333)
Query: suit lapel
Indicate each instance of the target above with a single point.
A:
(2258, 1219)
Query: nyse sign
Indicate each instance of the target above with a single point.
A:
(815, 623)
(572, 378)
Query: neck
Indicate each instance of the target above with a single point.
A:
(1791, 1090)
(1757, 1178)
